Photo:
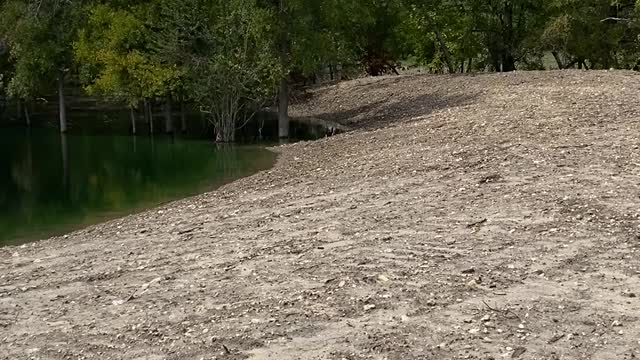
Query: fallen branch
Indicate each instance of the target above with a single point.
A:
(504, 312)
(477, 223)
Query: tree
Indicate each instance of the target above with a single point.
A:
(442, 31)
(114, 60)
(595, 31)
(39, 35)
(224, 49)
(507, 27)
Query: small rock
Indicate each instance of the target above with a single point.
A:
(383, 278)
(521, 326)
(487, 340)
(469, 271)
(369, 307)
(474, 331)
(342, 283)
(629, 294)
(616, 323)
(486, 318)
(431, 302)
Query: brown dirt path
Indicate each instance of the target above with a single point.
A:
(469, 217)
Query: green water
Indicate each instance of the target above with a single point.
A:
(51, 184)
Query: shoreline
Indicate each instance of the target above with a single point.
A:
(464, 217)
(262, 158)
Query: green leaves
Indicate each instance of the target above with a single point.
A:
(39, 37)
(114, 61)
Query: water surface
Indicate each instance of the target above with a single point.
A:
(51, 183)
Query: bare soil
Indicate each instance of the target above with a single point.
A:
(465, 217)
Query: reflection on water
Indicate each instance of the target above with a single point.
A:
(52, 183)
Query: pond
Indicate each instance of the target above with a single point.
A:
(51, 184)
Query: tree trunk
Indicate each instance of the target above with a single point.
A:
(149, 113)
(283, 110)
(63, 110)
(508, 63)
(470, 65)
(283, 94)
(168, 121)
(65, 159)
(558, 60)
(584, 63)
(19, 109)
(183, 116)
(27, 116)
(443, 46)
(132, 114)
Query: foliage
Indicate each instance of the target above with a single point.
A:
(113, 60)
(227, 57)
(224, 49)
(598, 31)
(39, 35)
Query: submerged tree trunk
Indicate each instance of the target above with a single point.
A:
(132, 115)
(283, 109)
(63, 110)
(19, 109)
(168, 121)
(65, 159)
(183, 116)
(27, 116)
(148, 111)
(283, 94)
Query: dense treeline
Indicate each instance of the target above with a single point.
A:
(229, 58)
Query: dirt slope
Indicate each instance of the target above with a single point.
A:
(486, 217)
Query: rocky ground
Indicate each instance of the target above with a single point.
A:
(466, 217)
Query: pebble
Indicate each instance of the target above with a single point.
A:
(369, 307)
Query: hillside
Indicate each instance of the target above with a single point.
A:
(464, 217)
